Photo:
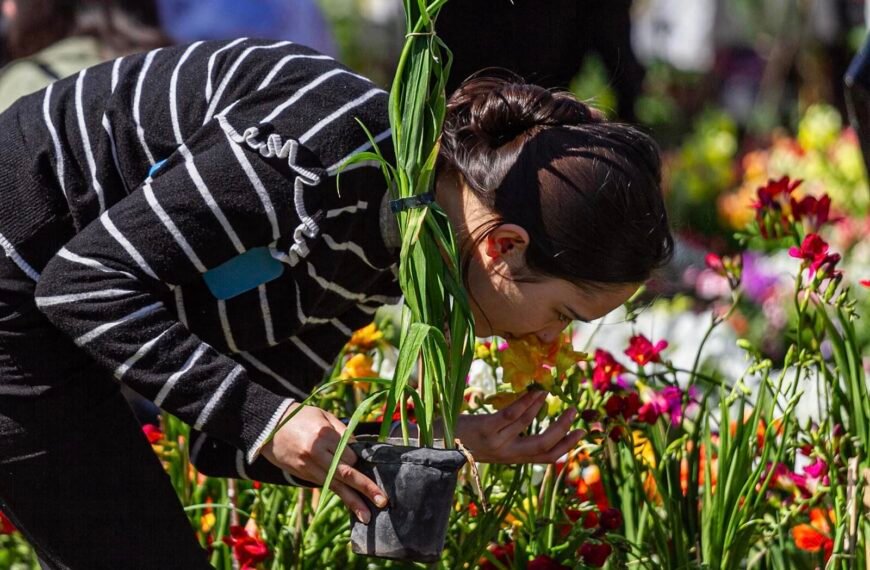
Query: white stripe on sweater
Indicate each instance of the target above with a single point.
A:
(240, 465)
(121, 370)
(332, 170)
(216, 398)
(167, 222)
(137, 98)
(300, 314)
(345, 330)
(259, 365)
(179, 305)
(209, 199)
(86, 141)
(64, 253)
(211, 61)
(361, 205)
(74, 297)
(225, 326)
(116, 69)
(128, 247)
(173, 379)
(213, 102)
(102, 329)
(267, 315)
(267, 431)
(348, 246)
(58, 152)
(262, 193)
(173, 92)
(281, 63)
(341, 291)
(321, 124)
(306, 350)
(302, 91)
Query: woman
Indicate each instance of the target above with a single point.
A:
(171, 221)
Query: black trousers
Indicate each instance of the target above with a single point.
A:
(77, 476)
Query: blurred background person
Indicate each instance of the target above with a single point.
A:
(46, 40)
(300, 21)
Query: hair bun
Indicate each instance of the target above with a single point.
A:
(496, 107)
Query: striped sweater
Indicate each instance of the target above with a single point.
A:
(126, 185)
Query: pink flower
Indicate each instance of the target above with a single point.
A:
(605, 370)
(814, 252)
(152, 432)
(667, 401)
(642, 351)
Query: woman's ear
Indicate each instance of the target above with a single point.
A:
(508, 242)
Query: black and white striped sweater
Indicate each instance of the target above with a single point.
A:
(252, 134)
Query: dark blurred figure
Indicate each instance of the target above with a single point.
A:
(46, 40)
(544, 41)
(301, 21)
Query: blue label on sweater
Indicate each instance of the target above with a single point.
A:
(243, 273)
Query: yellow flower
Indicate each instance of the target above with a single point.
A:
(528, 361)
(365, 339)
(359, 366)
(501, 400)
(206, 522)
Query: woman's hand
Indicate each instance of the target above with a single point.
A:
(498, 438)
(305, 447)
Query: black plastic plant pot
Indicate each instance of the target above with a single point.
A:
(419, 482)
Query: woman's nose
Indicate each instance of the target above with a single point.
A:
(550, 334)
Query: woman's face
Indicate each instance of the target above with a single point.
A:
(506, 307)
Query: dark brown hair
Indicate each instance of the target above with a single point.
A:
(120, 27)
(587, 191)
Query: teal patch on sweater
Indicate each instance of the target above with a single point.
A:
(243, 273)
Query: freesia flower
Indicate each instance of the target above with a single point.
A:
(248, 549)
(815, 211)
(595, 554)
(814, 252)
(865, 282)
(667, 401)
(605, 370)
(503, 553)
(611, 519)
(642, 351)
(814, 537)
(358, 366)
(626, 405)
(152, 433)
(768, 194)
(365, 339)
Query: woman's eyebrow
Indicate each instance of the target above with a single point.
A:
(576, 316)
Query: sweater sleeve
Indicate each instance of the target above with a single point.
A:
(111, 287)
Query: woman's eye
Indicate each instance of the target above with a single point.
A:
(564, 318)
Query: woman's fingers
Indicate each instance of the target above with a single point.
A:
(518, 416)
(565, 445)
(352, 499)
(353, 478)
(534, 446)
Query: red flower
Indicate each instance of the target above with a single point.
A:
(472, 509)
(611, 519)
(768, 193)
(606, 369)
(544, 562)
(816, 211)
(247, 549)
(504, 554)
(865, 282)
(649, 413)
(714, 263)
(814, 251)
(595, 555)
(642, 351)
(152, 432)
(625, 405)
(6, 526)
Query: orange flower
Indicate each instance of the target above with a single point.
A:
(528, 361)
(365, 339)
(814, 537)
(359, 366)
